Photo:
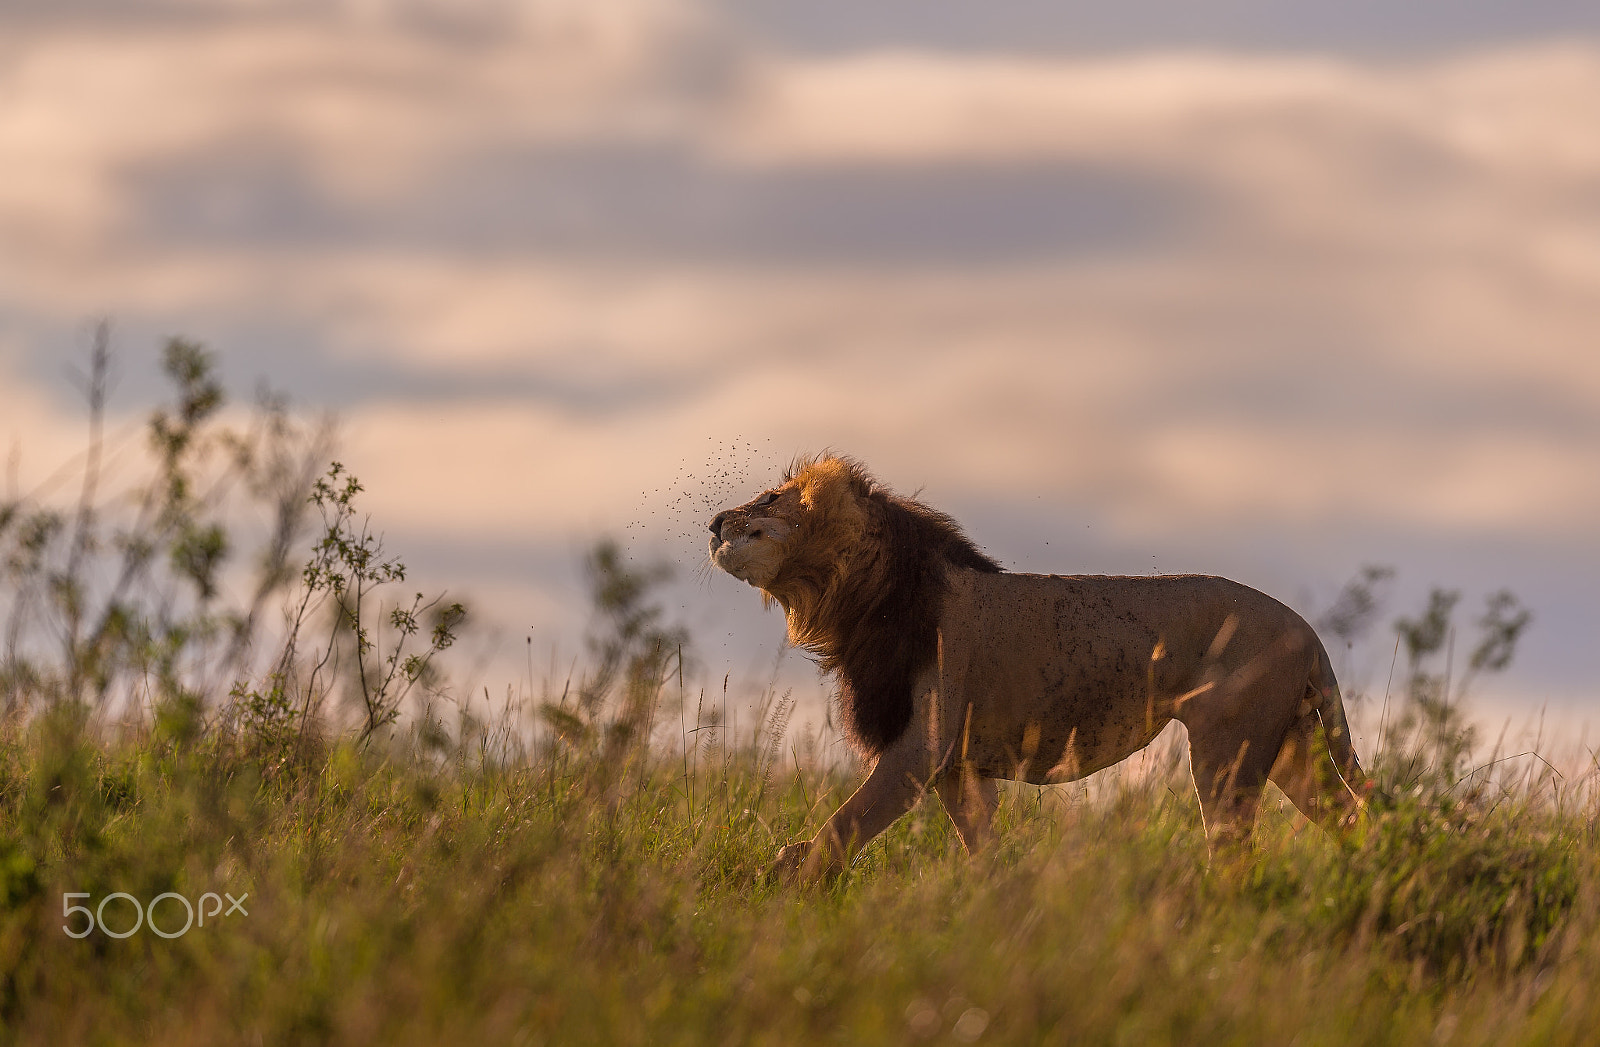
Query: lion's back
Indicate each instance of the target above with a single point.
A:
(1129, 611)
(1093, 660)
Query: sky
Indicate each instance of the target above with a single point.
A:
(1263, 289)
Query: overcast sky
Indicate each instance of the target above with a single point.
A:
(1252, 288)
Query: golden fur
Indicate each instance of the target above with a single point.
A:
(953, 673)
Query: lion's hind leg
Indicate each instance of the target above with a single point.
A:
(1229, 775)
(1308, 776)
(970, 801)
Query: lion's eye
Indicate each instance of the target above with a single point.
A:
(766, 499)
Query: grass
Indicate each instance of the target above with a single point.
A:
(426, 896)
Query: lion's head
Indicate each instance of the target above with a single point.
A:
(812, 519)
(859, 572)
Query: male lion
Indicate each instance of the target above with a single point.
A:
(954, 673)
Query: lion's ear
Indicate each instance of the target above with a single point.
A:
(828, 487)
(836, 516)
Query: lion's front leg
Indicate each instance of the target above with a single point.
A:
(894, 786)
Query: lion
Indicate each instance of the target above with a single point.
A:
(955, 673)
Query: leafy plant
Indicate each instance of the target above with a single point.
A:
(345, 574)
(123, 601)
(1433, 736)
(634, 654)
(1427, 745)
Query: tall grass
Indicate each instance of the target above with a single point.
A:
(421, 895)
(592, 872)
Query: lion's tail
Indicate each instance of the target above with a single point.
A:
(1323, 692)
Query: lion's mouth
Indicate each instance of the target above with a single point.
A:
(722, 555)
(733, 556)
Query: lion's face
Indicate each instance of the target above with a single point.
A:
(750, 541)
(797, 539)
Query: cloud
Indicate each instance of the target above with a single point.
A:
(1356, 27)
(364, 100)
(910, 106)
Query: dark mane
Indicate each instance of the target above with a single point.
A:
(881, 621)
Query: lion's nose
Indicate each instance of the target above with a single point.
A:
(716, 523)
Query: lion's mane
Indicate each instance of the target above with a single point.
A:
(863, 587)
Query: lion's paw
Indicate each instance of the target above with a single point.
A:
(786, 868)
